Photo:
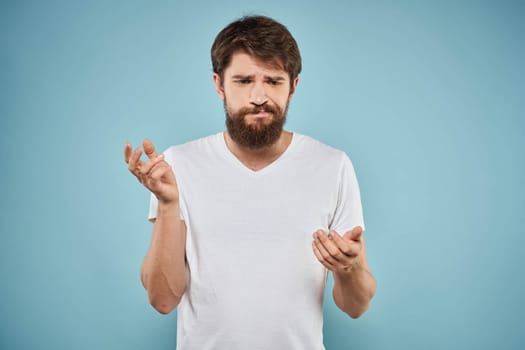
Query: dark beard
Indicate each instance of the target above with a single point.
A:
(258, 135)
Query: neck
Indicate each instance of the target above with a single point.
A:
(258, 158)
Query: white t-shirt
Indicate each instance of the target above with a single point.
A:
(254, 281)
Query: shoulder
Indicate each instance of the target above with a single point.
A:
(317, 150)
(205, 151)
(195, 147)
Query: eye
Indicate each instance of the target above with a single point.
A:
(274, 82)
(243, 81)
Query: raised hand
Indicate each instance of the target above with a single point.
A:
(338, 253)
(155, 173)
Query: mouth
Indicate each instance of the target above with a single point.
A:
(260, 114)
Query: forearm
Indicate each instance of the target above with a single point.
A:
(163, 271)
(354, 290)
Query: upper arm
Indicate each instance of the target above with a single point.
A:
(348, 212)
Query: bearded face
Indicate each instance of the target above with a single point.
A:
(261, 133)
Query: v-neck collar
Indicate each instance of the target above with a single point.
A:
(233, 159)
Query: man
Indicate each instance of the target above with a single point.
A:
(248, 222)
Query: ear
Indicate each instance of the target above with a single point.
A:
(218, 85)
(294, 86)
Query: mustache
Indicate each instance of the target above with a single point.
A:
(258, 109)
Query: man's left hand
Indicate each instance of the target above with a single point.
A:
(338, 253)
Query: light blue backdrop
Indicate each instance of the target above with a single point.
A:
(425, 96)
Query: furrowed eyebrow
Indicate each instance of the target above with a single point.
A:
(241, 77)
(276, 78)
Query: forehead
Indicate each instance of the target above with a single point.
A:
(242, 63)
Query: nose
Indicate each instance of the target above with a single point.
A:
(258, 94)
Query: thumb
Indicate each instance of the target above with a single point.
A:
(354, 234)
(149, 149)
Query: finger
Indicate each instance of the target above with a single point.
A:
(149, 149)
(159, 171)
(325, 253)
(317, 233)
(356, 246)
(329, 245)
(354, 234)
(127, 151)
(320, 258)
(134, 161)
(344, 246)
(150, 164)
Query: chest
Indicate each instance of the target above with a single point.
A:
(236, 205)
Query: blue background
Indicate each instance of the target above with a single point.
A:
(426, 97)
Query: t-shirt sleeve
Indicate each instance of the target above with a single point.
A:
(154, 205)
(349, 212)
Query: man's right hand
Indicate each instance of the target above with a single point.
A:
(155, 174)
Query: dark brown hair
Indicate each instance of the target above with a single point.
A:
(261, 37)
